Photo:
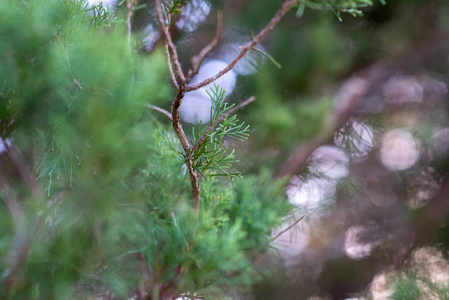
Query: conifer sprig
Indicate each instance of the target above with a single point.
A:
(171, 10)
(352, 7)
(101, 16)
(209, 154)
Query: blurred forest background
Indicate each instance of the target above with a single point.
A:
(354, 112)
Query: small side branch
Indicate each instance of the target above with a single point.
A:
(287, 229)
(286, 6)
(21, 241)
(218, 120)
(19, 163)
(130, 4)
(171, 45)
(161, 111)
(193, 173)
(198, 59)
(170, 67)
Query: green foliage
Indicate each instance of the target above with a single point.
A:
(211, 155)
(101, 17)
(336, 6)
(115, 197)
(407, 288)
(171, 10)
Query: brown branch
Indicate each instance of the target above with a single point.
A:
(170, 67)
(197, 60)
(20, 165)
(161, 111)
(287, 229)
(347, 100)
(21, 241)
(171, 45)
(130, 4)
(177, 127)
(286, 6)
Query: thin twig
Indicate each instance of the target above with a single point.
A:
(287, 229)
(20, 165)
(21, 241)
(218, 120)
(130, 4)
(347, 100)
(160, 110)
(286, 6)
(170, 67)
(198, 59)
(171, 45)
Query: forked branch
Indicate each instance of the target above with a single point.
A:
(286, 6)
(169, 41)
(181, 81)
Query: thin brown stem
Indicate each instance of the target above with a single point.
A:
(161, 111)
(197, 60)
(130, 4)
(347, 100)
(171, 45)
(170, 67)
(177, 127)
(286, 6)
(20, 165)
(21, 241)
(287, 229)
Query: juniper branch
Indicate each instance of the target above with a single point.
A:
(218, 120)
(286, 6)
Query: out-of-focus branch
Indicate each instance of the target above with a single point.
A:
(20, 165)
(198, 59)
(346, 101)
(130, 4)
(429, 220)
(287, 229)
(20, 243)
(286, 6)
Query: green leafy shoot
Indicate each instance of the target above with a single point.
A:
(269, 57)
(100, 16)
(352, 7)
(211, 158)
(171, 10)
(219, 106)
